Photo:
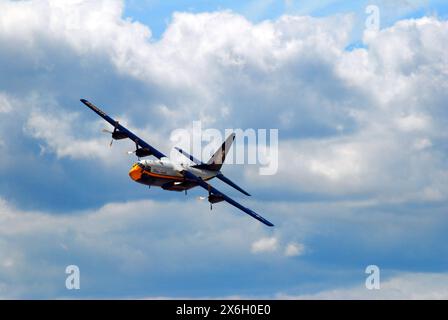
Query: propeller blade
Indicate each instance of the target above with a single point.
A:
(110, 132)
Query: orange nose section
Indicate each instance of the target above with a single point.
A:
(136, 172)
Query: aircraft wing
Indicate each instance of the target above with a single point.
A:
(218, 193)
(123, 132)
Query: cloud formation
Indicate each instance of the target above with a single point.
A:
(264, 245)
(294, 249)
(362, 154)
(141, 242)
(339, 111)
(409, 286)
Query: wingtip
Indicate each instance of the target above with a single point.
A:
(268, 223)
(83, 100)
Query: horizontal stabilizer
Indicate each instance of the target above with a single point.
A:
(189, 156)
(223, 178)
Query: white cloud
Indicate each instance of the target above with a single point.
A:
(413, 286)
(413, 122)
(403, 286)
(149, 241)
(135, 239)
(294, 249)
(200, 59)
(376, 162)
(67, 135)
(264, 245)
(366, 123)
(422, 143)
(377, 101)
(197, 64)
(5, 104)
(59, 135)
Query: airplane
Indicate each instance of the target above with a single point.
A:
(173, 176)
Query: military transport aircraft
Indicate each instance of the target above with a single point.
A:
(173, 176)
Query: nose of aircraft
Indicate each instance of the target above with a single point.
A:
(136, 172)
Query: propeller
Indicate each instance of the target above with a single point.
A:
(202, 198)
(116, 134)
(111, 132)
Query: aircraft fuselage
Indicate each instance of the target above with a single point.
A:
(163, 173)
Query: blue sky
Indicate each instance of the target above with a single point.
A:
(362, 179)
(157, 14)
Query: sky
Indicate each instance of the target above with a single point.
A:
(361, 115)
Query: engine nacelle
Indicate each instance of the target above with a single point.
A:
(213, 198)
(117, 135)
(142, 152)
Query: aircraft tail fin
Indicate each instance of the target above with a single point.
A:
(216, 161)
